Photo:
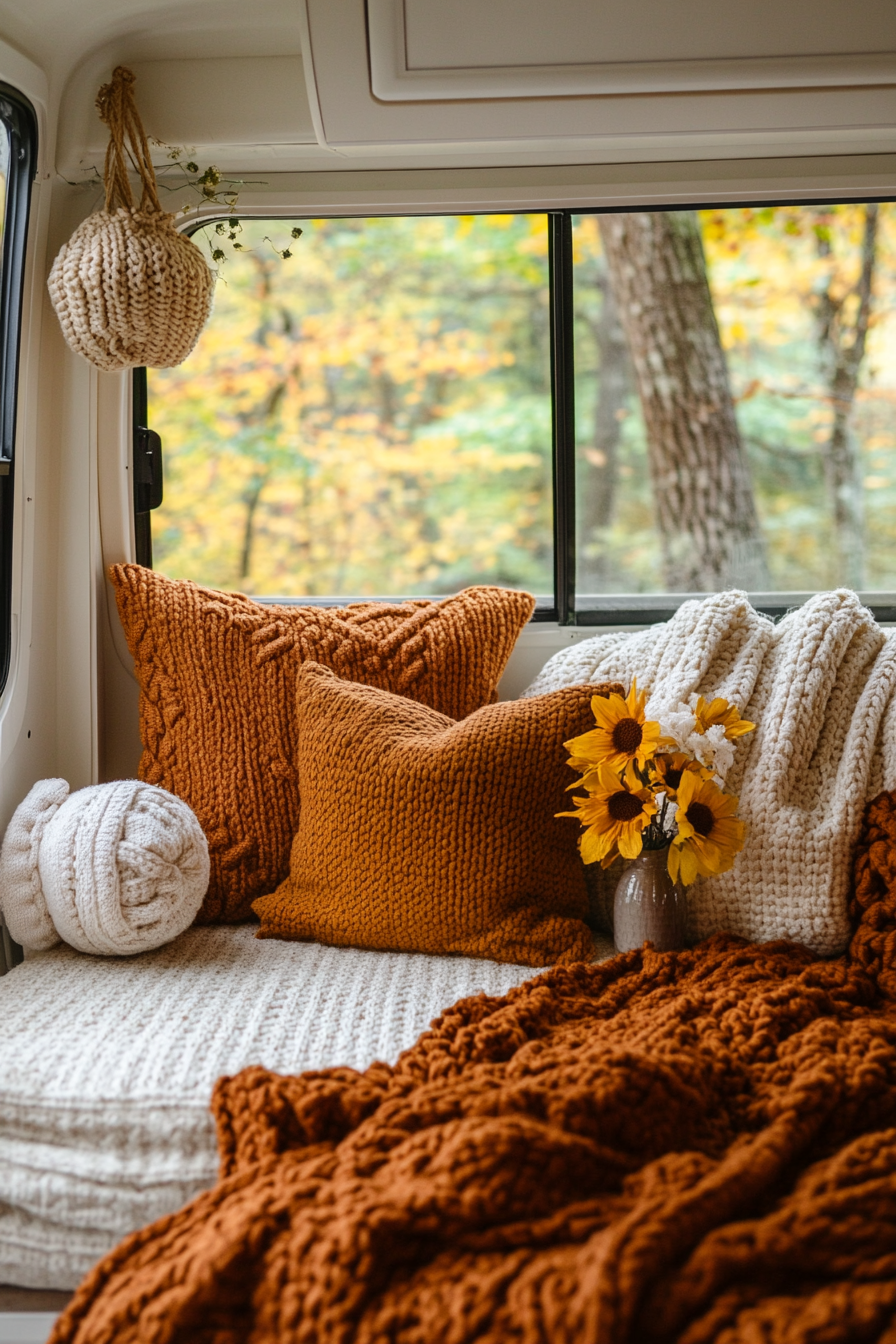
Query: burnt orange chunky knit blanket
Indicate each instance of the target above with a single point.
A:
(693, 1147)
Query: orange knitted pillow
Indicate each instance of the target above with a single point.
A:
(420, 834)
(217, 676)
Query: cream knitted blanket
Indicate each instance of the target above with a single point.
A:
(819, 685)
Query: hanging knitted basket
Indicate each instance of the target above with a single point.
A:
(128, 289)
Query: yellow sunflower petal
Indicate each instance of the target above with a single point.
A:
(586, 744)
(719, 711)
(630, 842)
(687, 865)
(596, 844)
(609, 709)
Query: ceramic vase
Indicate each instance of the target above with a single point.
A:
(648, 905)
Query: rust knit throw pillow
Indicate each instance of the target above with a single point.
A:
(421, 834)
(217, 675)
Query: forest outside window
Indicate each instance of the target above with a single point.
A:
(369, 417)
(611, 410)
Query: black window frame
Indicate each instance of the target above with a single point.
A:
(641, 609)
(20, 120)
(139, 417)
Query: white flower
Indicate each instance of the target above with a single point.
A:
(718, 753)
(679, 724)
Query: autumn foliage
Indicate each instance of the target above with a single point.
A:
(372, 415)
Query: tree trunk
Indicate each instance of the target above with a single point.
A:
(613, 386)
(706, 515)
(842, 352)
(600, 459)
(251, 500)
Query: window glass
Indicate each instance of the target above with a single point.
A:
(735, 398)
(369, 416)
(18, 151)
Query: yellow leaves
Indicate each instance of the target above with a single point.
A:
(735, 333)
(766, 267)
(367, 398)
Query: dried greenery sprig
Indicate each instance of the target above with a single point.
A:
(215, 188)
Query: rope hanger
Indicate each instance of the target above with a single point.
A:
(128, 289)
(116, 107)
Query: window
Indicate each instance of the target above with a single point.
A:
(18, 152)
(611, 410)
(371, 416)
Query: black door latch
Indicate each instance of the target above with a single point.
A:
(147, 470)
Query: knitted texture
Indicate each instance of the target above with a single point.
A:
(217, 676)
(116, 869)
(128, 289)
(107, 1067)
(696, 1147)
(420, 834)
(819, 686)
(873, 899)
(22, 900)
(124, 868)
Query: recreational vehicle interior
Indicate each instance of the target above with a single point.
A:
(417, 411)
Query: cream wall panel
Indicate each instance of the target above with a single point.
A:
(28, 719)
(242, 103)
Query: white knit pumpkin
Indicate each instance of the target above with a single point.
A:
(112, 869)
(128, 289)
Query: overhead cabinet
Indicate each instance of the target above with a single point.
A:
(428, 49)
(621, 78)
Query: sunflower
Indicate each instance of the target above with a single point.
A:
(622, 734)
(710, 712)
(614, 814)
(709, 835)
(669, 767)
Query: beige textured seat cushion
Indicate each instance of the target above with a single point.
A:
(422, 834)
(217, 676)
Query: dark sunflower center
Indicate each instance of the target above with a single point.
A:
(673, 779)
(627, 736)
(624, 806)
(701, 818)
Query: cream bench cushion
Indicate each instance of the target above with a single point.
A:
(107, 1067)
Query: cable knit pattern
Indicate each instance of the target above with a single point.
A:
(819, 685)
(217, 676)
(112, 869)
(124, 867)
(420, 834)
(107, 1069)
